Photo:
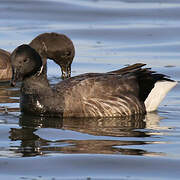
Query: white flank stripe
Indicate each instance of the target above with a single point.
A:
(122, 103)
(157, 94)
(105, 106)
(94, 107)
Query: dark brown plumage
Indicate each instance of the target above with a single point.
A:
(57, 47)
(5, 66)
(114, 94)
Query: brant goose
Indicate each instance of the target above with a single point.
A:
(125, 92)
(5, 66)
(57, 47)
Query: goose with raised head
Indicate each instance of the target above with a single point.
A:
(125, 92)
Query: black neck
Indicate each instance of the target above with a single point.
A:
(36, 83)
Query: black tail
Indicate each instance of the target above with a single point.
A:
(145, 77)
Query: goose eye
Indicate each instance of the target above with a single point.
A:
(26, 60)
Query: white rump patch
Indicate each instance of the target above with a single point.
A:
(157, 94)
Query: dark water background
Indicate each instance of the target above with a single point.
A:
(107, 35)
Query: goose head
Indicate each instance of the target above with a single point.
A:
(25, 62)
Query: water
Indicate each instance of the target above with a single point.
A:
(107, 35)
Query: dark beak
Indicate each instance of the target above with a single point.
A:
(66, 71)
(15, 77)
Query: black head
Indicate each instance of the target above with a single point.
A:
(25, 62)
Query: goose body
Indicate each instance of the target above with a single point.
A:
(114, 94)
(57, 47)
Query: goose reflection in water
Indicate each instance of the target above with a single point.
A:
(9, 97)
(92, 136)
